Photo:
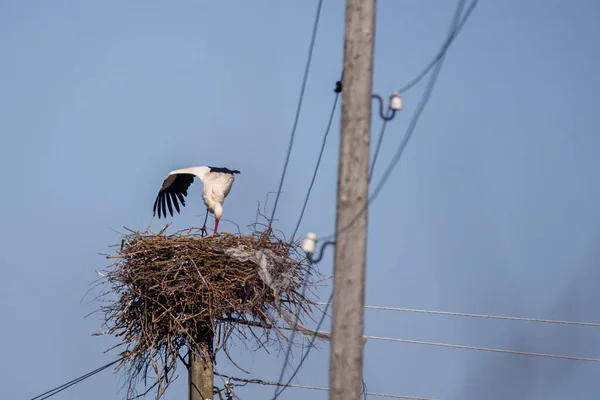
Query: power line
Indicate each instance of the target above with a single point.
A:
(314, 177)
(337, 90)
(418, 112)
(409, 131)
(453, 31)
(382, 182)
(268, 383)
(305, 355)
(487, 316)
(460, 346)
(297, 117)
(466, 347)
(75, 381)
(324, 142)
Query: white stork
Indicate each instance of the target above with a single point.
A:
(217, 184)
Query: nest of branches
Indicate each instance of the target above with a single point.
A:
(165, 294)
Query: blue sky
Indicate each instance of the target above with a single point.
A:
(492, 209)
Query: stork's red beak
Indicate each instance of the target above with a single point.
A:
(216, 225)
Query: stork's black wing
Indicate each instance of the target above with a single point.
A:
(174, 188)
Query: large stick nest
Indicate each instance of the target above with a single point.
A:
(165, 294)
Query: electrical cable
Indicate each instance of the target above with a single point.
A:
(453, 31)
(387, 173)
(405, 140)
(310, 346)
(337, 90)
(314, 177)
(452, 34)
(297, 117)
(269, 383)
(62, 387)
(305, 355)
(486, 316)
(460, 346)
(390, 168)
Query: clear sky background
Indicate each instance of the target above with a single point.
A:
(493, 208)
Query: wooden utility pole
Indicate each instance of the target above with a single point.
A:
(351, 244)
(200, 374)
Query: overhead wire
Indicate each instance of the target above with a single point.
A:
(314, 177)
(485, 316)
(324, 142)
(327, 334)
(304, 355)
(309, 347)
(75, 381)
(450, 38)
(410, 129)
(459, 23)
(466, 347)
(374, 394)
(421, 106)
(337, 90)
(297, 117)
(453, 31)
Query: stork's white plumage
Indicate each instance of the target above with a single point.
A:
(217, 184)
